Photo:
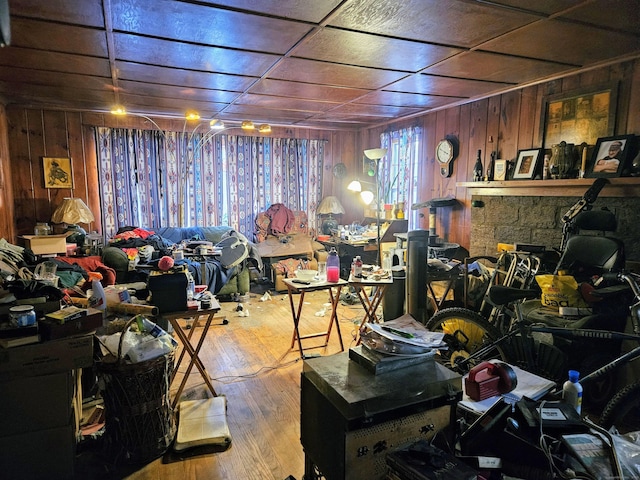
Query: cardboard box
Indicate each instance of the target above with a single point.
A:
(44, 454)
(45, 358)
(53, 330)
(46, 244)
(36, 403)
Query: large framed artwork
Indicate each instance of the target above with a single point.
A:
(57, 172)
(579, 116)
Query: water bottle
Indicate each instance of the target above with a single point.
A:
(191, 287)
(333, 266)
(572, 391)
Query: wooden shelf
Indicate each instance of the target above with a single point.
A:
(617, 187)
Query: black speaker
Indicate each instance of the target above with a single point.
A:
(5, 24)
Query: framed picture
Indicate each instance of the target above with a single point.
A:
(526, 164)
(579, 116)
(500, 170)
(57, 172)
(610, 157)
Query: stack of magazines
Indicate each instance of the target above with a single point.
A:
(403, 336)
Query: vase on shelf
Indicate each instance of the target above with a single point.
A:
(399, 211)
(388, 211)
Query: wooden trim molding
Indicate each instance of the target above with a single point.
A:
(617, 187)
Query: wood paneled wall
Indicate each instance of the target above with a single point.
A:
(504, 123)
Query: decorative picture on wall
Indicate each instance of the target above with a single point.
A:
(579, 116)
(610, 157)
(526, 164)
(57, 172)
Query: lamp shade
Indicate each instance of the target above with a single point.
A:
(72, 211)
(375, 153)
(330, 205)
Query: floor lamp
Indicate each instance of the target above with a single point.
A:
(375, 154)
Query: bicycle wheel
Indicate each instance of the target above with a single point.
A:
(623, 411)
(466, 332)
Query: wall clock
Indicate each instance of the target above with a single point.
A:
(446, 153)
(339, 170)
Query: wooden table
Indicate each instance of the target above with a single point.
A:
(334, 289)
(186, 336)
(370, 304)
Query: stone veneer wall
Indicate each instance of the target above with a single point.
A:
(538, 220)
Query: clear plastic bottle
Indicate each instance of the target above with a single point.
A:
(357, 267)
(572, 391)
(333, 266)
(191, 287)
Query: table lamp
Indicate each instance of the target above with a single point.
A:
(71, 212)
(330, 206)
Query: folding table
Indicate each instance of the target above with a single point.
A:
(189, 348)
(334, 289)
(370, 304)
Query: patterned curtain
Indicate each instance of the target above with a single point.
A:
(401, 169)
(160, 179)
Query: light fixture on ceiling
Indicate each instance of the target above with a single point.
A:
(247, 125)
(264, 128)
(118, 110)
(192, 115)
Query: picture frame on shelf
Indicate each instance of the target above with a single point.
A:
(57, 172)
(527, 164)
(500, 170)
(611, 157)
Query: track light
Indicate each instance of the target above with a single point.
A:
(264, 128)
(248, 125)
(118, 110)
(192, 115)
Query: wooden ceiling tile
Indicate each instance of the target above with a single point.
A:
(303, 10)
(147, 103)
(78, 12)
(544, 7)
(446, 86)
(619, 15)
(269, 86)
(60, 79)
(400, 99)
(284, 103)
(581, 45)
(71, 96)
(388, 111)
(153, 51)
(175, 76)
(324, 73)
(60, 38)
(173, 91)
(456, 22)
(495, 67)
(207, 25)
(54, 61)
(366, 50)
(261, 114)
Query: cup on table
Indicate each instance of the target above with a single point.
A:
(322, 271)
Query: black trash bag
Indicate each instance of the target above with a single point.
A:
(33, 288)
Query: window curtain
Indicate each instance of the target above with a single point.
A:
(155, 179)
(401, 170)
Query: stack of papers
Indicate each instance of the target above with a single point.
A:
(402, 336)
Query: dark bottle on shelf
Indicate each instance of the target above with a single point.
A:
(477, 168)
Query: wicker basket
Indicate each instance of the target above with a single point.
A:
(139, 419)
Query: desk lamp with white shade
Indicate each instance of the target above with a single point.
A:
(330, 206)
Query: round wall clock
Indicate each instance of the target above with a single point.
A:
(339, 170)
(446, 153)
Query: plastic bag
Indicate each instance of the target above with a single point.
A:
(560, 291)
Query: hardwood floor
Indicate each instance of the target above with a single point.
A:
(251, 363)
